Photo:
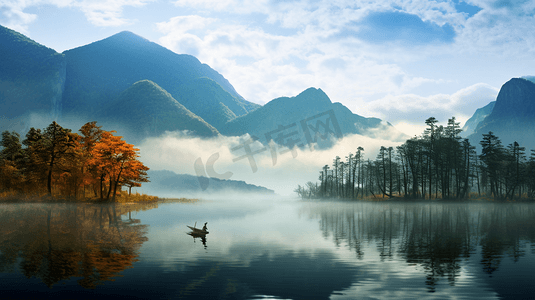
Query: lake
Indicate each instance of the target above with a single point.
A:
(268, 248)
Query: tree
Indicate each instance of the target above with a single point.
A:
(492, 155)
(531, 178)
(91, 134)
(430, 135)
(34, 161)
(57, 144)
(116, 161)
(437, 164)
(357, 164)
(10, 160)
(515, 157)
(134, 174)
(12, 148)
(336, 185)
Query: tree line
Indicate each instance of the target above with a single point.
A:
(439, 164)
(57, 161)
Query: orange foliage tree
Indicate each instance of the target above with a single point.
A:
(66, 162)
(116, 162)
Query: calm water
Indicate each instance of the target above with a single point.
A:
(270, 249)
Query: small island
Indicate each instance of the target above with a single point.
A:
(56, 164)
(439, 164)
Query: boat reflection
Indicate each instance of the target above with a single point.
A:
(197, 235)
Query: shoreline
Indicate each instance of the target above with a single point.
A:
(6, 198)
(408, 200)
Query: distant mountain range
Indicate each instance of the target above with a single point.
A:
(309, 116)
(512, 117)
(142, 89)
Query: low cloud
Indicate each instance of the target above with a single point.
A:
(281, 171)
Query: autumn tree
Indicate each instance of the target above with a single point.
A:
(91, 134)
(115, 161)
(135, 173)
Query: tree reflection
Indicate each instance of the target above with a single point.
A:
(57, 242)
(436, 237)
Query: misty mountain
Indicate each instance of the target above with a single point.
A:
(513, 116)
(476, 118)
(170, 184)
(306, 117)
(98, 82)
(145, 109)
(31, 78)
(97, 73)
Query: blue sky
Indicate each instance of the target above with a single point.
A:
(402, 61)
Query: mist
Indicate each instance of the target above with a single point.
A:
(223, 157)
(274, 167)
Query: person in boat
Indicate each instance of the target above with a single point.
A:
(204, 227)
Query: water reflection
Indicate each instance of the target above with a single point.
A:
(56, 242)
(200, 236)
(278, 250)
(435, 237)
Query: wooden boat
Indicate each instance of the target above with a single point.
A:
(197, 230)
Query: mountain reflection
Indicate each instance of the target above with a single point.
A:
(433, 237)
(56, 242)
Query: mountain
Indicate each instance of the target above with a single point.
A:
(303, 116)
(145, 109)
(97, 73)
(480, 114)
(530, 78)
(513, 116)
(216, 101)
(170, 184)
(32, 77)
(145, 89)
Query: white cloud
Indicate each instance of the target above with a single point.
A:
(107, 12)
(263, 66)
(263, 60)
(207, 4)
(98, 12)
(13, 16)
(269, 49)
(408, 112)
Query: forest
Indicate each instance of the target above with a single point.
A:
(60, 163)
(439, 164)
